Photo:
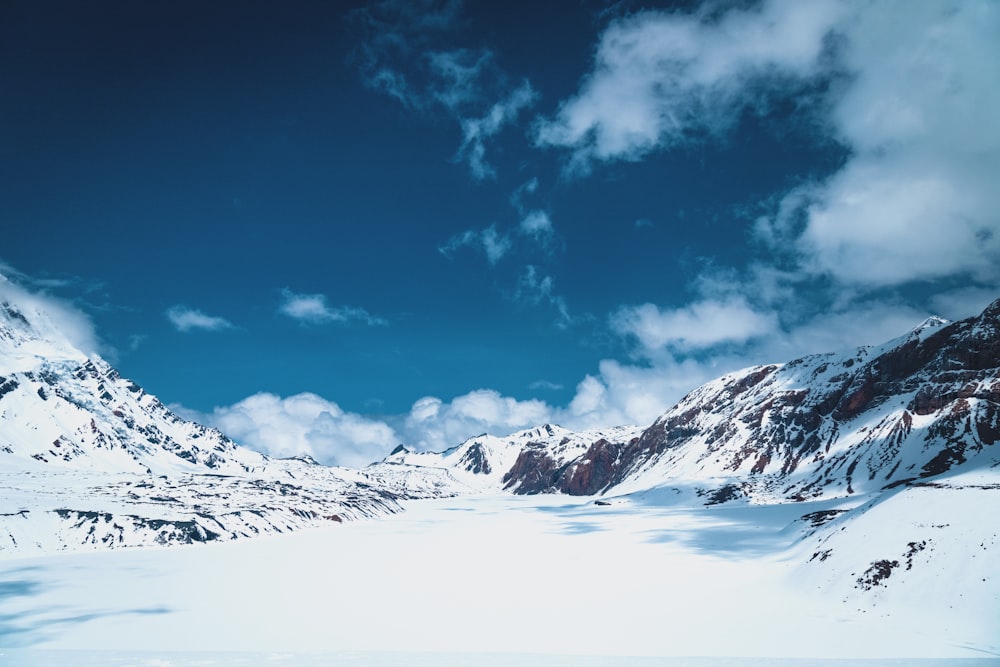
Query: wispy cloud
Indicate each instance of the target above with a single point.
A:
(314, 309)
(494, 244)
(545, 385)
(476, 131)
(537, 226)
(535, 231)
(187, 319)
(534, 288)
(408, 52)
(395, 54)
(54, 317)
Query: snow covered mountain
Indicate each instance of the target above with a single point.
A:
(521, 463)
(875, 474)
(89, 459)
(823, 426)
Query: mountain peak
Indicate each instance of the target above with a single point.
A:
(932, 322)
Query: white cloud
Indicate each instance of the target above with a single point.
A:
(964, 302)
(662, 78)
(313, 309)
(309, 424)
(475, 131)
(494, 244)
(917, 199)
(617, 394)
(630, 394)
(52, 317)
(533, 288)
(538, 226)
(435, 425)
(304, 424)
(911, 211)
(187, 319)
(913, 105)
(546, 385)
(703, 324)
(522, 191)
(638, 393)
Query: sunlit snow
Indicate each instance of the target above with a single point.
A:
(545, 575)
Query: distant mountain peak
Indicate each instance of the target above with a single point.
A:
(932, 322)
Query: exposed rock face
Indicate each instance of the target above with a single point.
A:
(536, 471)
(912, 408)
(821, 425)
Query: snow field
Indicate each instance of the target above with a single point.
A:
(487, 575)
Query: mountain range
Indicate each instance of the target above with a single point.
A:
(881, 463)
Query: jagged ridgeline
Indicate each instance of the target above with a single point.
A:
(827, 425)
(91, 459)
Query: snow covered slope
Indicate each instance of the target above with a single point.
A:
(88, 459)
(924, 405)
(824, 426)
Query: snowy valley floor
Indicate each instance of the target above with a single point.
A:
(547, 576)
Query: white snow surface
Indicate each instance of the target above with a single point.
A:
(647, 575)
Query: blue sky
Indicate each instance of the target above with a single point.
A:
(332, 227)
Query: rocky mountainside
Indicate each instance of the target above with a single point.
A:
(923, 405)
(89, 459)
(827, 425)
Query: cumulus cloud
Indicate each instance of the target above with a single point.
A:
(632, 394)
(906, 89)
(703, 324)
(916, 201)
(903, 89)
(664, 78)
(310, 424)
(187, 319)
(433, 424)
(617, 393)
(314, 309)
(912, 105)
(407, 51)
(963, 302)
(304, 424)
(638, 393)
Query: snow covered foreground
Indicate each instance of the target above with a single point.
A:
(504, 576)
